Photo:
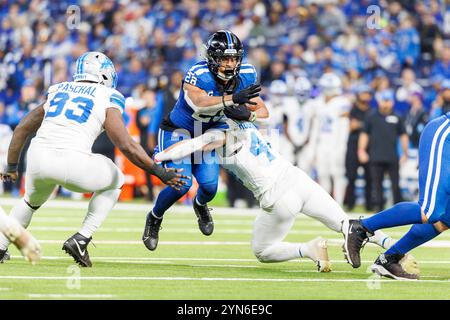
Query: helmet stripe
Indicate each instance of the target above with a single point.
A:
(80, 64)
(230, 41)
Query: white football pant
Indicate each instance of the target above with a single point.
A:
(273, 224)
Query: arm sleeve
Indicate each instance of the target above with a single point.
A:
(116, 100)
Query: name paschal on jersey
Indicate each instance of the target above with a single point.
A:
(75, 113)
(184, 114)
(260, 168)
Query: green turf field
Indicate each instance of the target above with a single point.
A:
(188, 265)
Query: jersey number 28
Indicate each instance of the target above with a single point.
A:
(80, 113)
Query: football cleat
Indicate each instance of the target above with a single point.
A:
(317, 249)
(205, 220)
(355, 236)
(4, 256)
(388, 265)
(151, 231)
(76, 246)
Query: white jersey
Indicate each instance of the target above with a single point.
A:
(300, 119)
(75, 113)
(260, 168)
(332, 123)
(278, 112)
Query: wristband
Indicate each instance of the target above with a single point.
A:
(252, 116)
(12, 167)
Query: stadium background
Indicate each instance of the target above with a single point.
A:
(152, 44)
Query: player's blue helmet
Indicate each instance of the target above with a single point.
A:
(221, 44)
(96, 66)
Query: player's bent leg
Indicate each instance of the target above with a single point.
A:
(273, 224)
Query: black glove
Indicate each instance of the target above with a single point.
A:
(170, 176)
(240, 112)
(246, 94)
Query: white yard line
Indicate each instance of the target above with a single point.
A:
(169, 259)
(99, 278)
(331, 242)
(145, 207)
(80, 296)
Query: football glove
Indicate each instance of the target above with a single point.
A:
(246, 94)
(239, 112)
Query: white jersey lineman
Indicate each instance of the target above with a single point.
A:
(282, 190)
(60, 153)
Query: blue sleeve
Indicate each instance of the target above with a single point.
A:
(157, 116)
(200, 76)
(248, 74)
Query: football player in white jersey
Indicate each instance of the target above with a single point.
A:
(282, 190)
(67, 124)
(299, 124)
(331, 130)
(20, 237)
(278, 106)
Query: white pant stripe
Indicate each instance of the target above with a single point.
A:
(430, 164)
(437, 172)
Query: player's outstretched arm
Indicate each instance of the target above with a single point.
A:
(28, 125)
(208, 141)
(200, 101)
(118, 134)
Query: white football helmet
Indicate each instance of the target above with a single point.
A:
(302, 89)
(277, 90)
(330, 84)
(96, 66)
(278, 87)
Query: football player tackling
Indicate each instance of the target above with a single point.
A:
(282, 190)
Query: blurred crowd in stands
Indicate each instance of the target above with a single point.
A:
(399, 45)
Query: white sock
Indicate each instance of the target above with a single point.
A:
(382, 239)
(100, 205)
(304, 251)
(23, 214)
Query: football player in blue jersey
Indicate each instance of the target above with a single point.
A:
(430, 216)
(212, 89)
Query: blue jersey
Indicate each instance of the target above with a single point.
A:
(183, 116)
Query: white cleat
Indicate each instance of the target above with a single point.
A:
(24, 241)
(318, 250)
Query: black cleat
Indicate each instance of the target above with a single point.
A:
(151, 231)
(388, 265)
(205, 221)
(4, 255)
(76, 246)
(355, 236)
